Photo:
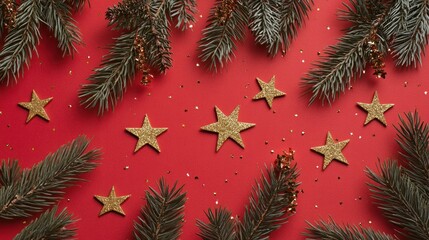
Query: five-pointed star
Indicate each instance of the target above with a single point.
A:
(332, 150)
(112, 202)
(375, 110)
(146, 134)
(228, 127)
(268, 91)
(36, 107)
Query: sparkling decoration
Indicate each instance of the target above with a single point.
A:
(375, 110)
(228, 127)
(112, 202)
(146, 135)
(268, 91)
(36, 107)
(332, 150)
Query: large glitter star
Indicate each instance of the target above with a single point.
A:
(375, 110)
(36, 107)
(268, 91)
(332, 150)
(228, 127)
(112, 202)
(146, 134)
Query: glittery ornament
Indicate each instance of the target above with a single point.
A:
(331, 151)
(146, 135)
(375, 110)
(112, 202)
(36, 107)
(228, 127)
(268, 91)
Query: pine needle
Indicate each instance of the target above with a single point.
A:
(184, 11)
(220, 225)
(49, 226)
(42, 185)
(10, 172)
(331, 231)
(162, 216)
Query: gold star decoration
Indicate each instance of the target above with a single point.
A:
(112, 202)
(268, 91)
(146, 135)
(36, 107)
(228, 127)
(332, 150)
(375, 110)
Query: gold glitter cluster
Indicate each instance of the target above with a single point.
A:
(224, 10)
(376, 58)
(139, 43)
(282, 166)
(8, 10)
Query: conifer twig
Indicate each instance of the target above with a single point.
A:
(162, 216)
(49, 226)
(42, 185)
(220, 225)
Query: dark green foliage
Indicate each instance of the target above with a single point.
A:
(400, 191)
(274, 23)
(162, 216)
(22, 39)
(272, 202)
(29, 191)
(49, 226)
(148, 20)
(331, 231)
(220, 225)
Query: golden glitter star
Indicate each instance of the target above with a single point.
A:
(375, 110)
(36, 107)
(146, 134)
(112, 202)
(332, 150)
(228, 127)
(268, 91)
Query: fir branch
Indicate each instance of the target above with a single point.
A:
(330, 230)
(220, 226)
(57, 15)
(109, 82)
(264, 23)
(292, 14)
(272, 201)
(162, 217)
(49, 226)
(10, 172)
(413, 138)
(184, 11)
(77, 5)
(226, 25)
(126, 14)
(401, 200)
(345, 61)
(42, 185)
(396, 19)
(409, 44)
(21, 41)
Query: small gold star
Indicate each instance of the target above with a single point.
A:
(332, 150)
(112, 202)
(36, 107)
(375, 110)
(228, 127)
(146, 134)
(268, 91)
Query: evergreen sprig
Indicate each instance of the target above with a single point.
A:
(376, 26)
(49, 225)
(28, 191)
(274, 24)
(22, 39)
(399, 190)
(162, 216)
(272, 202)
(149, 21)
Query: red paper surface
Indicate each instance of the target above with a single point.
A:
(183, 100)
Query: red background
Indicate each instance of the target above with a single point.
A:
(183, 100)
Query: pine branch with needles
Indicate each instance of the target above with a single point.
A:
(220, 225)
(28, 191)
